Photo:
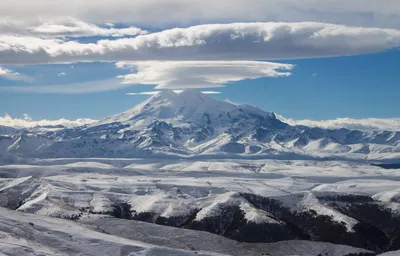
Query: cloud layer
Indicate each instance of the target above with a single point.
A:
(372, 13)
(70, 88)
(235, 41)
(199, 74)
(169, 75)
(27, 122)
(367, 124)
(61, 27)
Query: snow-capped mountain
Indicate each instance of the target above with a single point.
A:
(194, 124)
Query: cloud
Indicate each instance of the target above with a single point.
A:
(14, 76)
(367, 124)
(157, 13)
(168, 75)
(176, 91)
(142, 93)
(27, 122)
(6, 72)
(61, 27)
(199, 74)
(235, 41)
(70, 88)
(314, 74)
(109, 24)
(211, 92)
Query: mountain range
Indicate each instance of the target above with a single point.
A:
(192, 124)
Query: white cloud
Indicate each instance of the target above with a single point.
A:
(176, 91)
(367, 124)
(6, 72)
(315, 74)
(27, 122)
(236, 41)
(199, 74)
(61, 74)
(61, 27)
(211, 92)
(71, 88)
(157, 13)
(13, 76)
(142, 93)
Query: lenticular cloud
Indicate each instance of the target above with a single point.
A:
(199, 74)
(235, 41)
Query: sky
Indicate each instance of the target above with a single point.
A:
(305, 60)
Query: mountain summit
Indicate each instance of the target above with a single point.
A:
(194, 124)
(189, 106)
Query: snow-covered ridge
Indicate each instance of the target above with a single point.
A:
(26, 122)
(254, 201)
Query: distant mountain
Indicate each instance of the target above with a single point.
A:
(7, 130)
(191, 124)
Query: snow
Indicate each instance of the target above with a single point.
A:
(23, 234)
(311, 202)
(37, 197)
(388, 196)
(255, 215)
(89, 165)
(100, 204)
(13, 182)
(392, 253)
(214, 209)
(361, 186)
(307, 201)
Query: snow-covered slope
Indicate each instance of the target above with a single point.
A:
(28, 234)
(253, 201)
(192, 124)
(190, 106)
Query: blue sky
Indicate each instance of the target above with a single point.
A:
(321, 88)
(305, 60)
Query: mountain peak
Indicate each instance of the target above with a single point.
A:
(165, 94)
(188, 107)
(193, 96)
(185, 98)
